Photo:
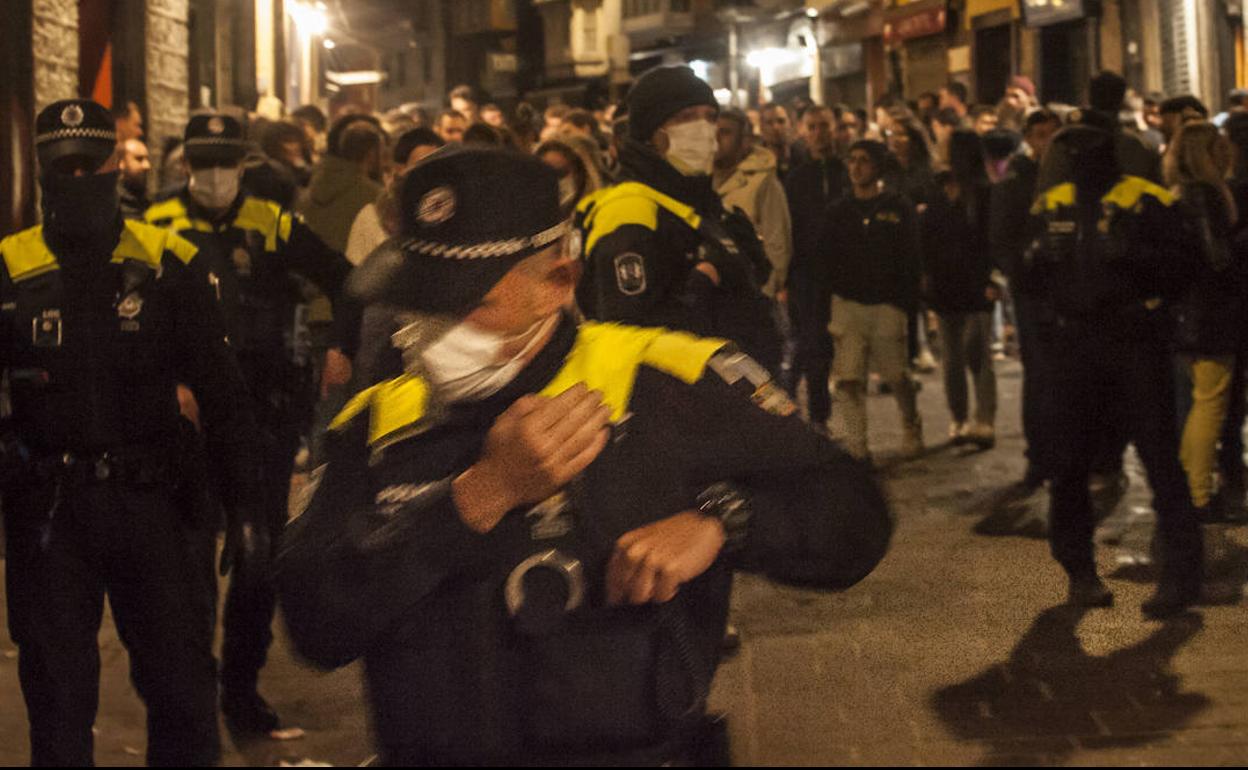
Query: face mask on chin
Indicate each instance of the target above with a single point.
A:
(466, 363)
(691, 147)
(215, 188)
(83, 207)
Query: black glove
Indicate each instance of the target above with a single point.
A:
(248, 549)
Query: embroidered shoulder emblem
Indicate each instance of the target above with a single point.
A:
(744, 373)
(630, 273)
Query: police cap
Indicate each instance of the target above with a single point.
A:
(468, 217)
(75, 128)
(214, 138)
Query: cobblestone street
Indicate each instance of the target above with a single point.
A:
(956, 651)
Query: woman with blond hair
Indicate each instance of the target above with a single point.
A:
(1209, 328)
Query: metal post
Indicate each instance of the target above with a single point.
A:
(734, 81)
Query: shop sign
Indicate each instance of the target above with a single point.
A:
(922, 24)
(1042, 13)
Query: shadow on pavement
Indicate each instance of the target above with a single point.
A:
(1051, 697)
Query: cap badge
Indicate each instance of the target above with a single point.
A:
(436, 206)
(72, 116)
(216, 125)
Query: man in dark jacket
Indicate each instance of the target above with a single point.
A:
(1011, 202)
(868, 272)
(810, 189)
(659, 248)
(530, 541)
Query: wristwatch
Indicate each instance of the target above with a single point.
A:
(726, 502)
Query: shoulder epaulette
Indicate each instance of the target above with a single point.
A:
(266, 218)
(628, 203)
(1130, 192)
(26, 255)
(148, 243)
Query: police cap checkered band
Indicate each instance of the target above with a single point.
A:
(80, 119)
(487, 249)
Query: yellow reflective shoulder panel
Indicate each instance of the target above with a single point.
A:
(165, 211)
(263, 217)
(1055, 198)
(183, 249)
(26, 255)
(629, 203)
(1127, 193)
(142, 243)
(392, 406)
(606, 358)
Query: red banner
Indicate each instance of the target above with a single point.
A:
(922, 24)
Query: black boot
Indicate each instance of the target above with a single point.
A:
(1173, 597)
(1089, 591)
(246, 711)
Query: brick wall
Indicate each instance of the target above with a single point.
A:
(168, 100)
(55, 40)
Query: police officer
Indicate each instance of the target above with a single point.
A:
(1107, 258)
(659, 248)
(255, 254)
(527, 533)
(101, 319)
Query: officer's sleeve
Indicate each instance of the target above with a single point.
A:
(624, 284)
(819, 517)
(309, 256)
(207, 365)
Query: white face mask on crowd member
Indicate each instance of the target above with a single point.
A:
(469, 363)
(215, 187)
(691, 147)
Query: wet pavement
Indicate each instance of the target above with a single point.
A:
(957, 650)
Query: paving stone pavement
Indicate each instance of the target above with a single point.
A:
(955, 651)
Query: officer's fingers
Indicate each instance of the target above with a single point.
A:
(588, 408)
(586, 433)
(585, 457)
(666, 586)
(550, 410)
(641, 584)
(618, 571)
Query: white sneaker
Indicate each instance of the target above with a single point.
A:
(957, 432)
(925, 362)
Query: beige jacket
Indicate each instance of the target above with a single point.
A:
(754, 187)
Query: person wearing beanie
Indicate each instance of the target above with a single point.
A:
(102, 478)
(526, 530)
(258, 257)
(659, 247)
(868, 271)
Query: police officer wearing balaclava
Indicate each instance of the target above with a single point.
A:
(101, 319)
(256, 254)
(526, 532)
(659, 248)
(1108, 257)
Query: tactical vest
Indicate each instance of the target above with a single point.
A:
(55, 351)
(264, 305)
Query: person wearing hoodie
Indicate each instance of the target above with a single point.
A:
(347, 180)
(746, 180)
(659, 248)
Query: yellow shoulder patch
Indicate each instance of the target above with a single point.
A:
(606, 358)
(628, 203)
(264, 217)
(166, 211)
(393, 406)
(26, 255)
(1128, 193)
(1055, 198)
(142, 243)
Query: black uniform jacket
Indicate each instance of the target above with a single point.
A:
(96, 339)
(381, 564)
(252, 254)
(642, 240)
(1107, 264)
(869, 252)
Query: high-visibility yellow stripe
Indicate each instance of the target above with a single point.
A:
(1125, 195)
(27, 255)
(264, 217)
(629, 203)
(605, 357)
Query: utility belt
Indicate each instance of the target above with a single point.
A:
(135, 468)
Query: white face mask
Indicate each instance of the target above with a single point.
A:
(464, 365)
(692, 147)
(215, 188)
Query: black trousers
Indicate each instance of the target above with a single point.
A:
(1037, 425)
(1095, 373)
(1231, 448)
(155, 564)
(250, 605)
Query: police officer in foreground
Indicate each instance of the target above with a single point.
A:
(101, 319)
(528, 532)
(1107, 258)
(259, 257)
(660, 249)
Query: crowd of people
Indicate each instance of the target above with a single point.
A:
(461, 316)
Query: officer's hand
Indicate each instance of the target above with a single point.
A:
(247, 551)
(534, 449)
(651, 563)
(188, 406)
(337, 370)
